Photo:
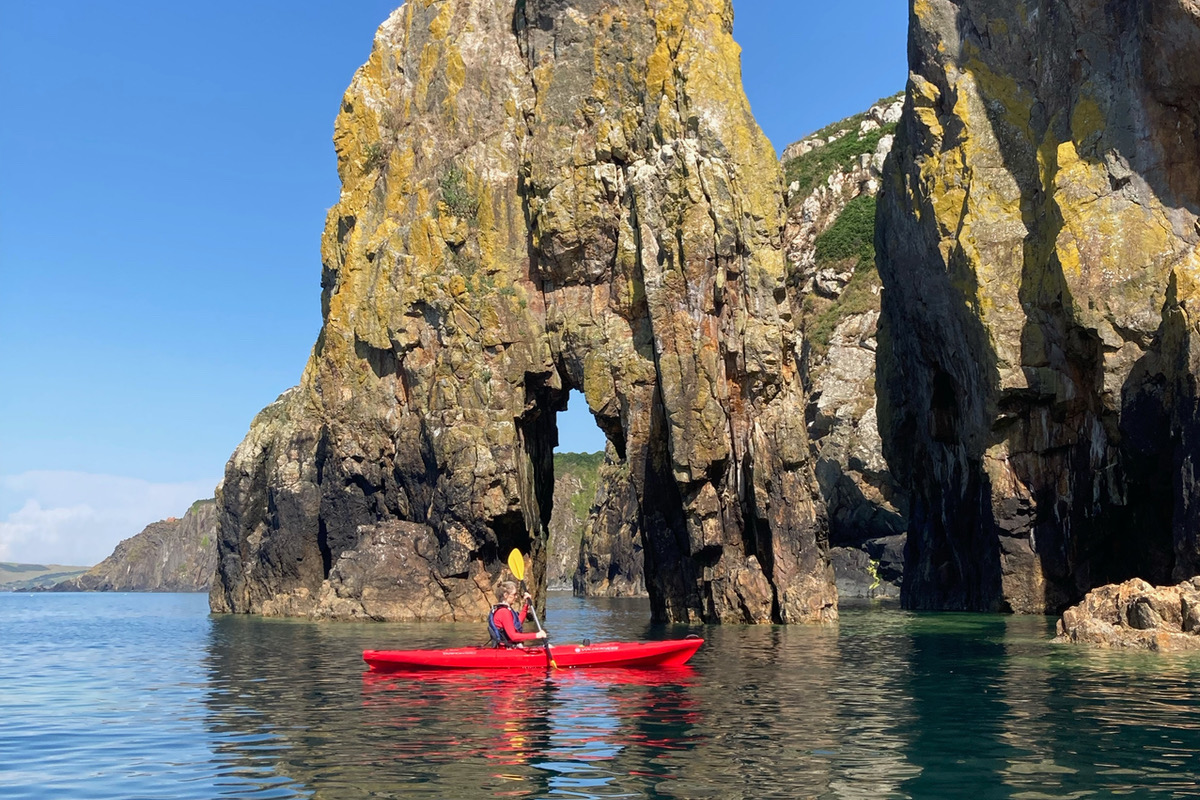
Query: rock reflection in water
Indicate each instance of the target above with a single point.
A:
(887, 704)
(1135, 722)
(292, 700)
(801, 711)
(1039, 761)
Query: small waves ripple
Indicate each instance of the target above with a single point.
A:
(140, 696)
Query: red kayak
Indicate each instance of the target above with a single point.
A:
(672, 653)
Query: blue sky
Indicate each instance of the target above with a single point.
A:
(165, 169)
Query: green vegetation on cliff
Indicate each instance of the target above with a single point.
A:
(852, 234)
(812, 168)
(848, 245)
(15, 576)
(586, 467)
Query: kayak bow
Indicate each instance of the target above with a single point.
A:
(671, 653)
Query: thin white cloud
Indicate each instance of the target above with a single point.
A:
(77, 518)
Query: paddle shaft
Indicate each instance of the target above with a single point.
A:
(545, 641)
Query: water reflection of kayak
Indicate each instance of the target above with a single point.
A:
(671, 653)
(559, 719)
(474, 680)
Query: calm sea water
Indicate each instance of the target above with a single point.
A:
(147, 696)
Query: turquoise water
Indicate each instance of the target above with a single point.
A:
(147, 696)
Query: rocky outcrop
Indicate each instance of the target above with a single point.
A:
(829, 248)
(576, 477)
(566, 531)
(1136, 615)
(174, 555)
(835, 293)
(1038, 344)
(539, 196)
(612, 561)
(872, 569)
(882, 116)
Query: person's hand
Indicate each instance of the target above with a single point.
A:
(541, 634)
(528, 598)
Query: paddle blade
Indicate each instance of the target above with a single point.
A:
(516, 563)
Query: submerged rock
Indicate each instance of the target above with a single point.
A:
(1038, 346)
(1136, 615)
(539, 196)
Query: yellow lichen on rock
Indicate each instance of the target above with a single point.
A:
(539, 197)
(1034, 363)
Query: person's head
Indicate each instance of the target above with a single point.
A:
(506, 592)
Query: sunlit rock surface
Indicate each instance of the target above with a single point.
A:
(611, 560)
(576, 478)
(539, 196)
(1038, 345)
(173, 555)
(829, 248)
(1136, 615)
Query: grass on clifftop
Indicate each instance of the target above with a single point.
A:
(14, 576)
(586, 467)
(815, 166)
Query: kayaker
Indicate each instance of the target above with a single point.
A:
(504, 623)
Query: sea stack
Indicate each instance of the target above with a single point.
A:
(539, 196)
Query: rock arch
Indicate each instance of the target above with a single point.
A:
(538, 196)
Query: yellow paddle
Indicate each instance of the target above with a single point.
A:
(516, 563)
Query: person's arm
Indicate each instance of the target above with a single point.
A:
(506, 622)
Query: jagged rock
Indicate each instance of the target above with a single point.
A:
(864, 502)
(566, 531)
(174, 555)
(859, 575)
(1038, 349)
(1136, 615)
(885, 113)
(611, 563)
(576, 482)
(887, 553)
(368, 582)
(540, 196)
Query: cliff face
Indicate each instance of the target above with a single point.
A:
(829, 248)
(565, 531)
(1038, 346)
(611, 558)
(539, 196)
(174, 555)
(576, 477)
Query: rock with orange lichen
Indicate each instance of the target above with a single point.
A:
(539, 196)
(1136, 615)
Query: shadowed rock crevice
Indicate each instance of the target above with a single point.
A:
(1036, 145)
(544, 196)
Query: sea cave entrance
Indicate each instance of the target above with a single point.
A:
(592, 530)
